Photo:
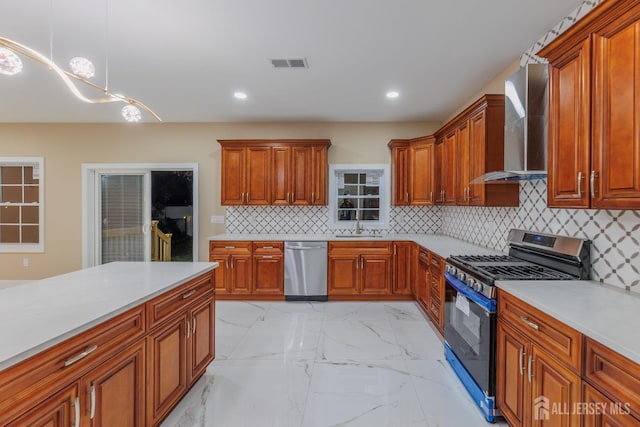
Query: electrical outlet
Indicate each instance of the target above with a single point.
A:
(217, 219)
(25, 262)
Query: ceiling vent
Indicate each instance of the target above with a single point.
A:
(289, 63)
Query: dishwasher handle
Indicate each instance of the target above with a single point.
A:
(304, 248)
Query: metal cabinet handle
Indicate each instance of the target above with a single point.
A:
(431, 196)
(247, 197)
(313, 197)
(188, 332)
(530, 323)
(593, 184)
(76, 406)
(530, 371)
(229, 247)
(406, 197)
(193, 325)
(267, 247)
(188, 294)
(580, 184)
(93, 402)
(80, 356)
(267, 257)
(395, 249)
(521, 362)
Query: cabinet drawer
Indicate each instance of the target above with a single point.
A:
(563, 342)
(230, 247)
(436, 262)
(172, 302)
(268, 248)
(423, 255)
(68, 360)
(612, 374)
(360, 248)
(435, 286)
(434, 310)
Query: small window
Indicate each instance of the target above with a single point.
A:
(21, 204)
(359, 192)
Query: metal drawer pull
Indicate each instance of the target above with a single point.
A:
(521, 361)
(76, 406)
(267, 247)
(80, 356)
(93, 401)
(267, 256)
(530, 323)
(188, 294)
(530, 372)
(229, 247)
(579, 184)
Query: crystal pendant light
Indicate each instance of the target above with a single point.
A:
(82, 67)
(131, 113)
(10, 63)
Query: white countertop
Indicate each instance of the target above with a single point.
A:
(602, 312)
(444, 246)
(39, 314)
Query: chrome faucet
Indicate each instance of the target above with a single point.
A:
(358, 228)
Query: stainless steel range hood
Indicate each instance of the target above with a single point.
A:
(525, 128)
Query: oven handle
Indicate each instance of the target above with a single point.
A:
(487, 304)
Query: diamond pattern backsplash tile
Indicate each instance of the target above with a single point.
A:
(614, 235)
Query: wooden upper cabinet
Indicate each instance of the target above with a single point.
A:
(413, 171)
(463, 159)
(448, 169)
(245, 172)
(594, 142)
(274, 172)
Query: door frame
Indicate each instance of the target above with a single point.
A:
(90, 175)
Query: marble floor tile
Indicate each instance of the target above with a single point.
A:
(326, 364)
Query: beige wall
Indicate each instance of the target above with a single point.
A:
(66, 146)
(494, 86)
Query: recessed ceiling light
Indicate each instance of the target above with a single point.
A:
(392, 94)
(240, 95)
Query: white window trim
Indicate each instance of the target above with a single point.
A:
(28, 247)
(385, 186)
(90, 173)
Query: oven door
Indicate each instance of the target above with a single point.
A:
(470, 329)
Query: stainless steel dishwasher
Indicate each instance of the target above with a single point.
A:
(305, 271)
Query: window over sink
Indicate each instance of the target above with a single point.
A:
(359, 192)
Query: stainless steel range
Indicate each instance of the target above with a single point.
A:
(470, 301)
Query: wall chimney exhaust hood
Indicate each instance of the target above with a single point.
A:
(525, 126)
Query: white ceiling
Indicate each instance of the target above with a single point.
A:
(185, 58)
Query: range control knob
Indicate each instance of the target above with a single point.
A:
(471, 282)
(452, 270)
(478, 287)
(462, 276)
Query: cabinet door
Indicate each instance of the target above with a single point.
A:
(240, 274)
(400, 165)
(421, 172)
(462, 169)
(611, 414)
(448, 173)
(280, 170)
(59, 410)
(556, 386)
(512, 392)
(233, 175)
(402, 268)
(221, 274)
(343, 274)
(201, 339)
(319, 175)
(116, 390)
(616, 114)
(375, 274)
(569, 129)
(258, 167)
(440, 170)
(477, 143)
(167, 367)
(268, 275)
(422, 280)
(300, 176)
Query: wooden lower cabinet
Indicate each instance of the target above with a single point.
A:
(435, 284)
(179, 351)
(422, 279)
(403, 268)
(58, 410)
(512, 391)
(359, 269)
(603, 412)
(116, 390)
(268, 269)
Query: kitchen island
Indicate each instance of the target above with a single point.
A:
(119, 344)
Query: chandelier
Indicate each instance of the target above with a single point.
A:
(82, 70)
